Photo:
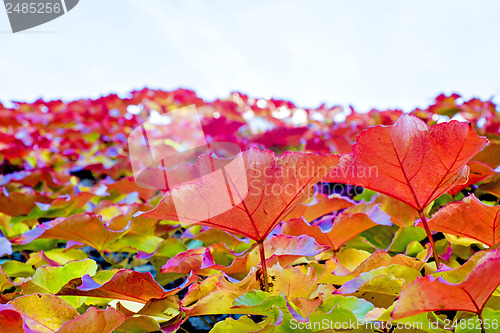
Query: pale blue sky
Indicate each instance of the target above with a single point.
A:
(370, 53)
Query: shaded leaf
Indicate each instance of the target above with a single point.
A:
(94, 321)
(141, 324)
(318, 205)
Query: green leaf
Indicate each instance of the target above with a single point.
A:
(380, 236)
(280, 320)
(50, 279)
(491, 320)
(17, 269)
(141, 324)
(404, 237)
(244, 324)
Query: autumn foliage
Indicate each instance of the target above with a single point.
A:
(375, 218)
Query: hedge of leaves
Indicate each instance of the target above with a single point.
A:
(399, 226)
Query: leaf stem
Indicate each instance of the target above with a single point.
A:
(481, 320)
(264, 267)
(206, 322)
(183, 329)
(109, 261)
(429, 235)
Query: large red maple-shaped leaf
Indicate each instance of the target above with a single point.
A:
(431, 294)
(276, 185)
(469, 218)
(409, 160)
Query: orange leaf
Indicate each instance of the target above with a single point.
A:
(409, 160)
(401, 214)
(125, 285)
(490, 154)
(276, 185)
(20, 203)
(469, 218)
(345, 226)
(491, 185)
(84, 228)
(431, 294)
(94, 321)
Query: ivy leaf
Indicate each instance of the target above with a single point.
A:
(291, 282)
(42, 313)
(478, 172)
(276, 308)
(276, 185)
(83, 228)
(409, 160)
(318, 205)
(344, 227)
(139, 324)
(431, 294)
(49, 279)
(469, 218)
(94, 321)
(243, 324)
(5, 246)
(12, 321)
(20, 203)
(341, 309)
(394, 277)
(374, 261)
(207, 261)
(401, 214)
(125, 285)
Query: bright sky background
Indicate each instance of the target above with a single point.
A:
(381, 54)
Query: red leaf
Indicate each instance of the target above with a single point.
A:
(125, 284)
(11, 321)
(409, 160)
(276, 185)
(469, 218)
(431, 294)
